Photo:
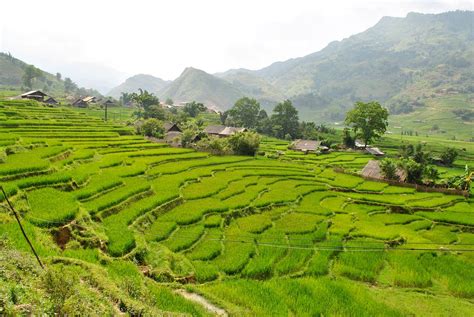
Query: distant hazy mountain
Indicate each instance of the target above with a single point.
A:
(143, 81)
(11, 74)
(399, 62)
(195, 84)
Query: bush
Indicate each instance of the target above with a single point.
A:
(449, 156)
(413, 170)
(389, 169)
(150, 127)
(244, 143)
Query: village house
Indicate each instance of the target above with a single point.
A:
(372, 170)
(308, 146)
(80, 103)
(51, 101)
(222, 131)
(37, 95)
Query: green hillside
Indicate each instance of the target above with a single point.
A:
(124, 225)
(195, 84)
(143, 81)
(405, 63)
(11, 80)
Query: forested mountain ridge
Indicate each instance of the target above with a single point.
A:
(400, 62)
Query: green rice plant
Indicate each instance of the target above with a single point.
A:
(236, 187)
(298, 223)
(299, 252)
(160, 230)
(434, 201)
(398, 190)
(184, 237)
(370, 186)
(440, 234)
(405, 269)
(43, 180)
(419, 225)
(362, 266)
(311, 203)
(238, 249)
(209, 247)
(284, 191)
(449, 217)
(51, 207)
(193, 211)
(209, 186)
(205, 271)
(256, 223)
(246, 198)
(333, 203)
(394, 218)
(98, 184)
(325, 251)
(261, 264)
(133, 186)
(212, 221)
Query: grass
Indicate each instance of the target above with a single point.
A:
(51, 207)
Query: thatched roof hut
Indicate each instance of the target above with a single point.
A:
(34, 94)
(372, 170)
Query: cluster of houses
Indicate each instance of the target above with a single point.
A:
(173, 132)
(40, 96)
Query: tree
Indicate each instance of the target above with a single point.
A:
(58, 76)
(144, 101)
(150, 127)
(155, 111)
(125, 98)
(414, 170)
(285, 120)
(245, 113)
(430, 175)
(193, 108)
(30, 74)
(368, 120)
(389, 169)
(448, 156)
(69, 85)
(169, 101)
(244, 143)
(347, 138)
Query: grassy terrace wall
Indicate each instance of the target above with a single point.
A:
(256, 236)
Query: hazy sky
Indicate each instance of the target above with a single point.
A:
(163, 37)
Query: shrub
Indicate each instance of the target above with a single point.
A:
(59, 285)
(413, 170)
(150, 127)
(244, 143)
(389, 169)
(448, 156)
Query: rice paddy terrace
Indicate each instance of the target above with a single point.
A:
(136, 220)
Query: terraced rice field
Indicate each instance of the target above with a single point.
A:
(256, 236)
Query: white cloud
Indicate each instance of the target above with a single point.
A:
(163, 37)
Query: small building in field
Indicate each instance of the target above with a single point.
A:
(374, 151)
(222, 131)
(90, 99)
(51, 101)
(359, 144)
(80, 103)
(37, 95)
(109, 102)
(372, 170)
(171, 127)
(308, 146)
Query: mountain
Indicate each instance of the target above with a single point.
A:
(399, 61)
(195, 84)
(11, 78)
(143, 81)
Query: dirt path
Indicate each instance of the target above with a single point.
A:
(202, 301)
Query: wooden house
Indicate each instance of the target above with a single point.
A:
(51, 101)
(80, 103)
(222, 131)
(308, 146)
(37, 95)
(171, 127)
(372, 170)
